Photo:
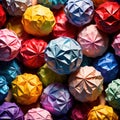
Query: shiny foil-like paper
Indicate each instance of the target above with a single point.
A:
(116, 44)
(32, 52)
(56, 4)
(37, 114)
(63, 27)
(26, 88)
(86, 84)
(63, 55)
(38, 20)
(16, 7)
(102, 112)
(107, 17)
(10, 111)
(56, 99)
(2, 16)
(3, 88)
(98, 2)
(9, 70)
(93, 42)
(113, 94)
(47, 76)
(9, 45)
(108, 66)
(79, 12)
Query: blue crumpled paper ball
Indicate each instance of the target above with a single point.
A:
(63, 55)
(3, 88)
(56, 4)
(79, 12)
(108, 66)
(9, 70)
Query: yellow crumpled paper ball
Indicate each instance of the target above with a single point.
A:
(38, 20)
(26, 88)
(102, 112)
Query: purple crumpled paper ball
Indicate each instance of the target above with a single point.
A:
(56, 99)
(79, 12)
(10, 111)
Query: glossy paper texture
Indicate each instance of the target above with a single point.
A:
(32, 52)
(38, 114)
(63, 27)
(9, 45)
(86, 84)
(102, 112)
(112, 94)
(10, 111)
(107, 17)
(3, 88)
(93, 42)
(79, 12)
(108, 66)
(26, 88)
(2, 16)
(16, 7)
(38, 20)
(47, 76)
(9, 70)
(63, 55)
(56, 99)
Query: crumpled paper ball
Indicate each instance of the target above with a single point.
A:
(79, 12)
(2, 16)
(86, 84)
(63, 55)
(113, 94)
(63, 27)
(108, 66)
(9, 45)
(98, 2)
(10, 111)
(26, 88)
(56, 99)
(17, 7)
(116, 44)
(3, 88)
(93, 42)
(32, 52)
(56, 4)
(37, 114)
(107, 17)
(38, 20)
(10, 70)
(47, 76)
(102, 112)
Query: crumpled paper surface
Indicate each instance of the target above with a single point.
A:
(47, 76)
(56, 99)
(86, 84)
(38, 20)
(26, 88)
(107, 17)
(102, 112)
(16, 7)
(93, 42)
(108, 66)
(32, 52)
(10, 111)
(9, 70)
(79, 12)
(113, 94)
(3, 88)
(9, 45)
(38, 114)
(63, 55)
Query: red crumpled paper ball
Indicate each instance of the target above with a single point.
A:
(107, 17)
(32, 52)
